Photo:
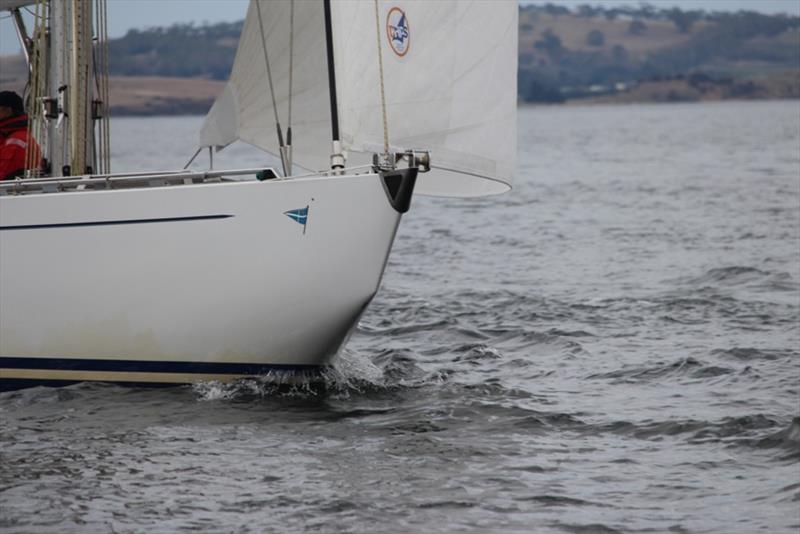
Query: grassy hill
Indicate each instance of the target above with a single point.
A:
(573, 29)
(181, 50)
(589, 54)
(590, 51)
(135, 95)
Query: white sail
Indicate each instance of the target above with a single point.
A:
(244, 110)
(449, 76)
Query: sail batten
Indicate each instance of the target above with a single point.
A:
(449, 76)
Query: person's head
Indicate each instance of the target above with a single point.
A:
(10, 104)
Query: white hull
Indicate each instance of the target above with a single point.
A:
(182, 283)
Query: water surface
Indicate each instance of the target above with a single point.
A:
(611, 347)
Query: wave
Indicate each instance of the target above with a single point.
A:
(753, 354)
(735, 274)
(685, 367)
(787, 439)
(51, 395)
(558, 500)
(753, 431)
(592, 528)
(740, 275)
(409, 328)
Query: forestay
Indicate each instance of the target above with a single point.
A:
(449, 70)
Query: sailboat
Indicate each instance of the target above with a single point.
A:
(179, 276)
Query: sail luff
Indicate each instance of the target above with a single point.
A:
(329, 55)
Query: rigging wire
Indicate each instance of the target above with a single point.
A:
(36, 83)
(63, 77)
(269, 74)
(107, 98)
(97, 60)
(32, 86)
(291, 70)
(101, 82)
(285, 148)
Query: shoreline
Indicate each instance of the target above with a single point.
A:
(150, 96)
(578, 103)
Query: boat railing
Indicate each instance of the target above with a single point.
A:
(131, 180)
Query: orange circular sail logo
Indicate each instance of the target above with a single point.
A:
(397, 31)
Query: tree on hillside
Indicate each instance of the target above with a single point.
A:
(683, 20)
(637, 27)
(731, 37)
(550, 43)
(556, 10)
(587, 11)
(595, 38)
(532, 87)
(182, 50)
(646, 11)
(526, 58)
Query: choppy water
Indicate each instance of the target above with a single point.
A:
(612, 347)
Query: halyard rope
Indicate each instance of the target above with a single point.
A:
(291, 56)
(106, 120)
(285, 148)
(266, 59)
(38, 73)
(383, 90)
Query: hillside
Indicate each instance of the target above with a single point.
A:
(594, 51)
(136, 95)
(182, 50)
(590, 54)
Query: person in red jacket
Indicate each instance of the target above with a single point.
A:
(14, 140)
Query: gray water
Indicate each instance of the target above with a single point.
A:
(614, 346)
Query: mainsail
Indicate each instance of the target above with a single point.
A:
(449, 80)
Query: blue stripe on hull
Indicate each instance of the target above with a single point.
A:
(143, 366)
(121, 367)
(115, 222)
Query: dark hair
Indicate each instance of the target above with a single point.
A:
(10, 99)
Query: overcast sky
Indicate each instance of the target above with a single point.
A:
(126, 14)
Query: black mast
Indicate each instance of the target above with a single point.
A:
(331, 72)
